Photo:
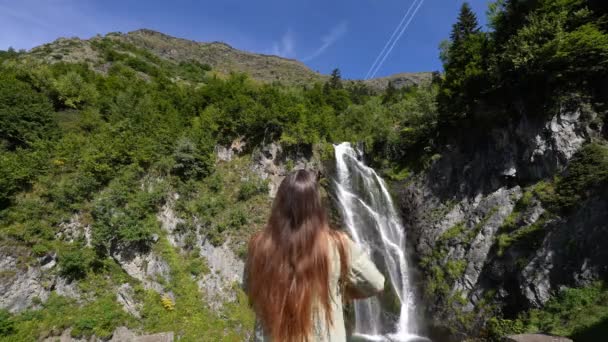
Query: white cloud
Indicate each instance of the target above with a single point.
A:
(328, 40)
(285, 47)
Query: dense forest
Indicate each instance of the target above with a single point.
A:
(111, 140)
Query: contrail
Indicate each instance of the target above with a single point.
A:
(391, 38)
(397, 39)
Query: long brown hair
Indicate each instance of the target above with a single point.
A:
(288, 263)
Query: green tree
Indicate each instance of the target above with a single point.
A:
(189, 161)
(464, 66)
(73, 91)
(390, 94)
(26, 115)
(75, 262)
(10, 53)
(465, 26)
(335, 81)
(334, 93)
(359, 92)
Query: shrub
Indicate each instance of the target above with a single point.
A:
(586, 174)
(498, 328)
(73, 91)
(215, 236)
(75, 262)
(208, 206)
(238, 218)
(26, 115)
(251, 188)
(167, 302)
(125, 212)
(531, 235)
(573, 312)
(198, 266)
(215, 182)
(100, 318)
(453, 232)
(40, 249)
(7, 325)
(189, 161)
(455, 268)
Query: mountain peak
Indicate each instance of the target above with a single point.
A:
(222, 57)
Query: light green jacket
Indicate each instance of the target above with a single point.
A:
(363, 276)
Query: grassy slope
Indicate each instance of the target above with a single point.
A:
(188, 315)
(223, 58)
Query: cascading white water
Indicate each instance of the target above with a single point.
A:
(373, 223)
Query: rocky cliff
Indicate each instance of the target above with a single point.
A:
(489, 234)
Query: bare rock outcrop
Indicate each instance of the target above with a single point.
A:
(226, 271)
(23, 286)
(534, 338)
(473, 190)
(121, 334)
(143, 265)
(273, 162)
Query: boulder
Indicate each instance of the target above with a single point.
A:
(534, 338)
(121, 334)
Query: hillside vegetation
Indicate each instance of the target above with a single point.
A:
(507, 199)
(107, 134)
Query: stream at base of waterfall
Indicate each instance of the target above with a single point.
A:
(372, 221)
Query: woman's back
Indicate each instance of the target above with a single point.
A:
(361, 280)
(298, 268)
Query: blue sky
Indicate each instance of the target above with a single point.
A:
(324, 34)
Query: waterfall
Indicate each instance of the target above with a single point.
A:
(372, 222)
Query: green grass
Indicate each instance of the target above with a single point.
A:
(231, 204)
(191, 319)
(579, 313)
(453, 232)
(455, 268)
(529, 233)
(99, 317)
(398, 175)
(510, 231)
(97, 276)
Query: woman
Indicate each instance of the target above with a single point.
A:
(299, 270)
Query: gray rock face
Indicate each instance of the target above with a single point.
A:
(488, 216)
(19, 287)
(25, 286)
(66, 336)
(74, 230)
(478, 188)
(270, 162)
(65, 288)
(226, 153)
(223, 153)
(226, 271)
(267, 166)
(121, 334)
(534, 338)
(143, 265)
(570, 254)
(548, 146)
(225, 267)
(125, 296)
(169, 221)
